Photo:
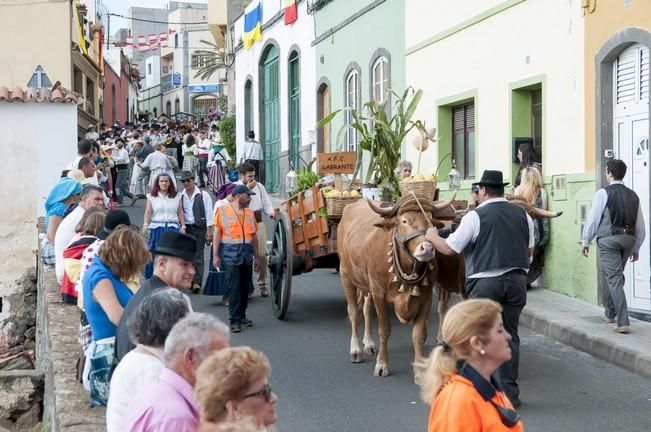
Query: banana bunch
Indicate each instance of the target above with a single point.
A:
(337, 194)
(419, 178)
(305, 179)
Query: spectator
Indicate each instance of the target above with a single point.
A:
(169, 404)
(65, 192)
(457, 378)
(404, 170)
(164, 212)
(91, 196)
(173, 267)
(233, 384)
(89, 226)
(528, 158)
(122, 255)
(140, 368)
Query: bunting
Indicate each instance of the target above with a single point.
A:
(252, 24)
(291, 11)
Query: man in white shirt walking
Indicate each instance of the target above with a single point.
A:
(253, 154)
(199, 222)
(120, 157)
(203, 146)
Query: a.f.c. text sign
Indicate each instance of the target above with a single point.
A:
(337, 163)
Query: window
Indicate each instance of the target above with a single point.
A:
(380, 79)
(176, 40)
(248, 106)
(536, 120)
(90, 96)
(168, 109)
(78, 82)
(201, 61)
(352, 101)
(113, 103)
(149, 69)
(463, 139)
(177, 105)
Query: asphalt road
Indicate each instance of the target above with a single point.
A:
(563, 389)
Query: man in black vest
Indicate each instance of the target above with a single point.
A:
(616, 221)
(173, 268)
(197, 209)
(496, 239)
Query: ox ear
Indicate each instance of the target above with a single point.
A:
(385, 224)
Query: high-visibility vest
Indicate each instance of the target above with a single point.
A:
(237, 228)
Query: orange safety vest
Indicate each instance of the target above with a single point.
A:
(235, 227)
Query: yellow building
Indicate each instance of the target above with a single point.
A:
(617, 43)
(40, 44)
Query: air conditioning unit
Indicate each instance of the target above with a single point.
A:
(165, 69)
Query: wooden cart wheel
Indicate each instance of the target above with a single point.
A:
(280, 265)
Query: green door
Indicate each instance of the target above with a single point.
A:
(271, 137)
(294, 108)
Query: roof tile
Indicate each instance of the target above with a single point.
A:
(29, 94)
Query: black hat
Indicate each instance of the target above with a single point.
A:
(176, 244)
(113, 219)
(239, 189)
(491, 178)
(185, 175)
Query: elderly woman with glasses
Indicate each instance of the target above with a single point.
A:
(233, 386)
(457, 377)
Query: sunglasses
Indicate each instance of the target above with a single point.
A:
(508, 416)
(265, 391)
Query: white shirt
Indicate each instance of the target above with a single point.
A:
(64, 235)
(468, 232)
(120, 156)
(164, 210)
(204, 146)
(157, 160)
(252, 150)
(187, 206)
(260, 201)
(189, 151)
(135, 372)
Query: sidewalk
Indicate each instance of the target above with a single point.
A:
(576, 323)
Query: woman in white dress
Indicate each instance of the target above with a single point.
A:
(189, 149)
(164, 212)
(158, 163)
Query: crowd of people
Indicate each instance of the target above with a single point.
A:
(139, 337)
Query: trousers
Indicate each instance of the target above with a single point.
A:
(614, 251)
(239, 281)
(199, 235)
(509, 290)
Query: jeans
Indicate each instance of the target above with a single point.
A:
(121, 184)
(509, 290)
(203, 169)
(239, 281)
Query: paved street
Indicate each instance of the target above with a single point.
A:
(319, 390)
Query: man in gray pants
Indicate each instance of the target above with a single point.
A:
(616, 221)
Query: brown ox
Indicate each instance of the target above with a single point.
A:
(387, 260)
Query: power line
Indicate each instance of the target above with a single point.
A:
(156, 22)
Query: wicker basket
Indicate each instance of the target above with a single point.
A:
(336, 205)
(423, 189)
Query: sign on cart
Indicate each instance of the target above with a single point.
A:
(337, 163)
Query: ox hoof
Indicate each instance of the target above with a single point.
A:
(381, 370)
(370, 350)
(356, 357)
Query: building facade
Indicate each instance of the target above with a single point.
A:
(359, 58)
(617, 43)
(275, 92)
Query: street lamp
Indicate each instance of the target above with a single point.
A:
(454, 177)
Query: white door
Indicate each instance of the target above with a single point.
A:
(631, 129)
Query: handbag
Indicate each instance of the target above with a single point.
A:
(99, 377)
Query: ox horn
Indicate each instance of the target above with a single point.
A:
(385, 212)
(533, 211)
(445, 204)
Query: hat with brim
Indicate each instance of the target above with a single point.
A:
(113, 219)
(242, 189)
(491, 178)
(176, 244)
(187, 175)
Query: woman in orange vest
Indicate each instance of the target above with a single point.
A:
(457, 377)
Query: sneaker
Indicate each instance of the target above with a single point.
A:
(604, 318)
(264, 292)
(247, 322)
(196, 288)
(622, 329)
(236, 328)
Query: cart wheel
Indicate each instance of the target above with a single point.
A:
(280, 266)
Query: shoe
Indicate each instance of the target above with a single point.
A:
(225, 300)
(247, 322)
(604, 318)
(236, 328)
(264, 292)
(196, 288)
(134, 200)
(622, 329)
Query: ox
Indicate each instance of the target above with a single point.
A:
(387, 260)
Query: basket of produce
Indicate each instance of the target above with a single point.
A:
(420, 185)
(336, 200)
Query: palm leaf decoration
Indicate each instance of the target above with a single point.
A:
(213, 60)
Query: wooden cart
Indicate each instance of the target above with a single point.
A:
(304, 238)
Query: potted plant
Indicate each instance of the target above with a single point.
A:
(381, 136)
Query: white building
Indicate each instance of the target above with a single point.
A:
(275, 90)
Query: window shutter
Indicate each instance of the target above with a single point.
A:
(458, 119)
(470, 117)
(626, 76)
(644, 73)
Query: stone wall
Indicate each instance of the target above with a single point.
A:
(65, 402)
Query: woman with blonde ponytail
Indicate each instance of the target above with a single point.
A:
(456, 378)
